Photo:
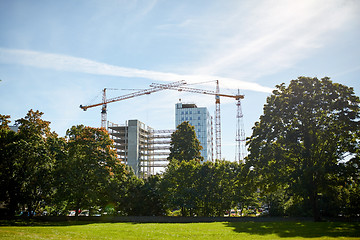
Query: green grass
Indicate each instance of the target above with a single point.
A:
(218, 231)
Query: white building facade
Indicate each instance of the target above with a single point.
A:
(200, 118)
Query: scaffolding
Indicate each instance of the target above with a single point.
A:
(141, 147)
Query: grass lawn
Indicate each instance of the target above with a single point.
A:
(218, 231)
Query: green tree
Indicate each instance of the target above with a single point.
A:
(26, 163)
(84, 175)
(179, 186)
(152, 199)
(9, 187)
(4, 121)
(303, 137)
(350, 192)
(35, 160)
(121, 186)
(59, 152)
(215, 187)
(184, 145)
(244, 183)
(208, 189)
(144, 197)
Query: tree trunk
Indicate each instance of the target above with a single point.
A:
(183, 212)
(77, 209)
(315, 207)
(30, 210)
(12, 206)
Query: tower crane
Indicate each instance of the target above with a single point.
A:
(179, 86)
(240, 139)
(105, 101)
(217, 95)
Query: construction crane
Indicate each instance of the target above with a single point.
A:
(104, 108)
(105, 101)
(217, 95)
(155, 87)
(240, 139)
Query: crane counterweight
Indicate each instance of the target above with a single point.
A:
(83, 107)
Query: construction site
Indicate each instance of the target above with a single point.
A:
(141, 147)
(146, 149)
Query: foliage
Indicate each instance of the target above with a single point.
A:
(179, 186)
(40, 171)
(208, 189)
(26, 163)
(8, 184)
(304, 160)
(4, 120)
(303, 137)
(245, 187)
(184, 145)
(122, 180)
(84, 174)
(144, 198)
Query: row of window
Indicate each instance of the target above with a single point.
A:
(189, 112)
(189, 118)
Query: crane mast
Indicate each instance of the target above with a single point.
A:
(103, 110)
(217, 122)
(240, 139)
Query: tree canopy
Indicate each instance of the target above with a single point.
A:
(307, 133)
(85, 173)
(184, 144)
(26, 162)
(207, 189)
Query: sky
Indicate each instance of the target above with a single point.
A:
(58, 55)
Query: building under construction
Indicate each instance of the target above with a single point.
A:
(145, 149)
(141, 147)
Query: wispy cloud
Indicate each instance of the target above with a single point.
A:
(274, 35)
(74, 64)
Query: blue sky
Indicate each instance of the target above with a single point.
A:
(56, 55)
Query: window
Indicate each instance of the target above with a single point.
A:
(198, 118)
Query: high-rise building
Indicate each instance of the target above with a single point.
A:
(200, 118)
(14, 128)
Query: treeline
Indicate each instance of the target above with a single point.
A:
(209, 189)
(44, 173)
(304, 161)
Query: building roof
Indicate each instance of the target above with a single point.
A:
(189, 105)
